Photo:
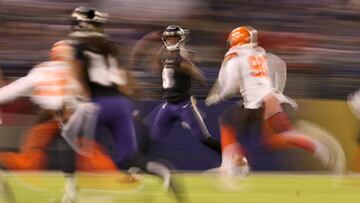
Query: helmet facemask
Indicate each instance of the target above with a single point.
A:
(173, 38)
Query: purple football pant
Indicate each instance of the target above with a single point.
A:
(183, 111)
(116, 116)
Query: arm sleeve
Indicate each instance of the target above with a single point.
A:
(158, 63)
(229, 78)
(192, 70)
(16, 89)
(277, 70)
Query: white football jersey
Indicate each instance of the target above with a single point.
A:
(48, 84)
(253, 73)
(54, 86)
(245, 70)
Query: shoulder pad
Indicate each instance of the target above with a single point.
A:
(62, 50)
(46, 64)
(230, 56)
(187, 54)
(69, 42)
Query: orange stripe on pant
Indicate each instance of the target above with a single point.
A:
(276, 130)
(228, 137)
(33, 152)
(96, 161)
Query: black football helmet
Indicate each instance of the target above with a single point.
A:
(88, 19)
(174, 31)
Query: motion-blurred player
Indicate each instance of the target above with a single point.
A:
(54, 86)
(246, 69)
(109, 86)
(178, 71)
(354, 103)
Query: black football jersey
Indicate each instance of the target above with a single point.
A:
(101, 65)
(176, 83)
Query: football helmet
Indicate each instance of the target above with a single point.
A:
(173, 31)
(242, 35)
(88, 19)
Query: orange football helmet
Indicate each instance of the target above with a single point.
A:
(242, 35)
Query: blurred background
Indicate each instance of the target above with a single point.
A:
(319, 40)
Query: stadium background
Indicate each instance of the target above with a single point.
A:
(318, 40)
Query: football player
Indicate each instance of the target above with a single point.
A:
(246, 69)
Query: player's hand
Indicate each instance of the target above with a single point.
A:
(212, 99)
(193, 101)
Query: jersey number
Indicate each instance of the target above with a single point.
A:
(257, 65)
(168, 78)
(104, 70)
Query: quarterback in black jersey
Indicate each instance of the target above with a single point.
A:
(178, 71)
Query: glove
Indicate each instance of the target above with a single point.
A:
(212, 99)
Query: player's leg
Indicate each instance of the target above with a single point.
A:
(66, 156)
(116, 115)
(279, 133)
(163, 121)
(354, 104)
(279, 130)
(123, 130)
(95, 159)
(139, 160)
(91, 157)
(79, 132)
(142, 132)
(357, 156)
(33, 153)
(126, 140)
(189, 113)
(162, 171)
(32, 156)
(233, 123)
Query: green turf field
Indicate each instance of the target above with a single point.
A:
(257, 188)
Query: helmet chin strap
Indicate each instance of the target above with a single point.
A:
(172, 47)
(86, 34)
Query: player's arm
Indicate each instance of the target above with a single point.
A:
(125, 80)
(141, 45)
(214, 93)
(213, 96)
(277, 71)
(191, 69)
(158, 63)
(129, 88)
(18, 88)
(229, 78)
